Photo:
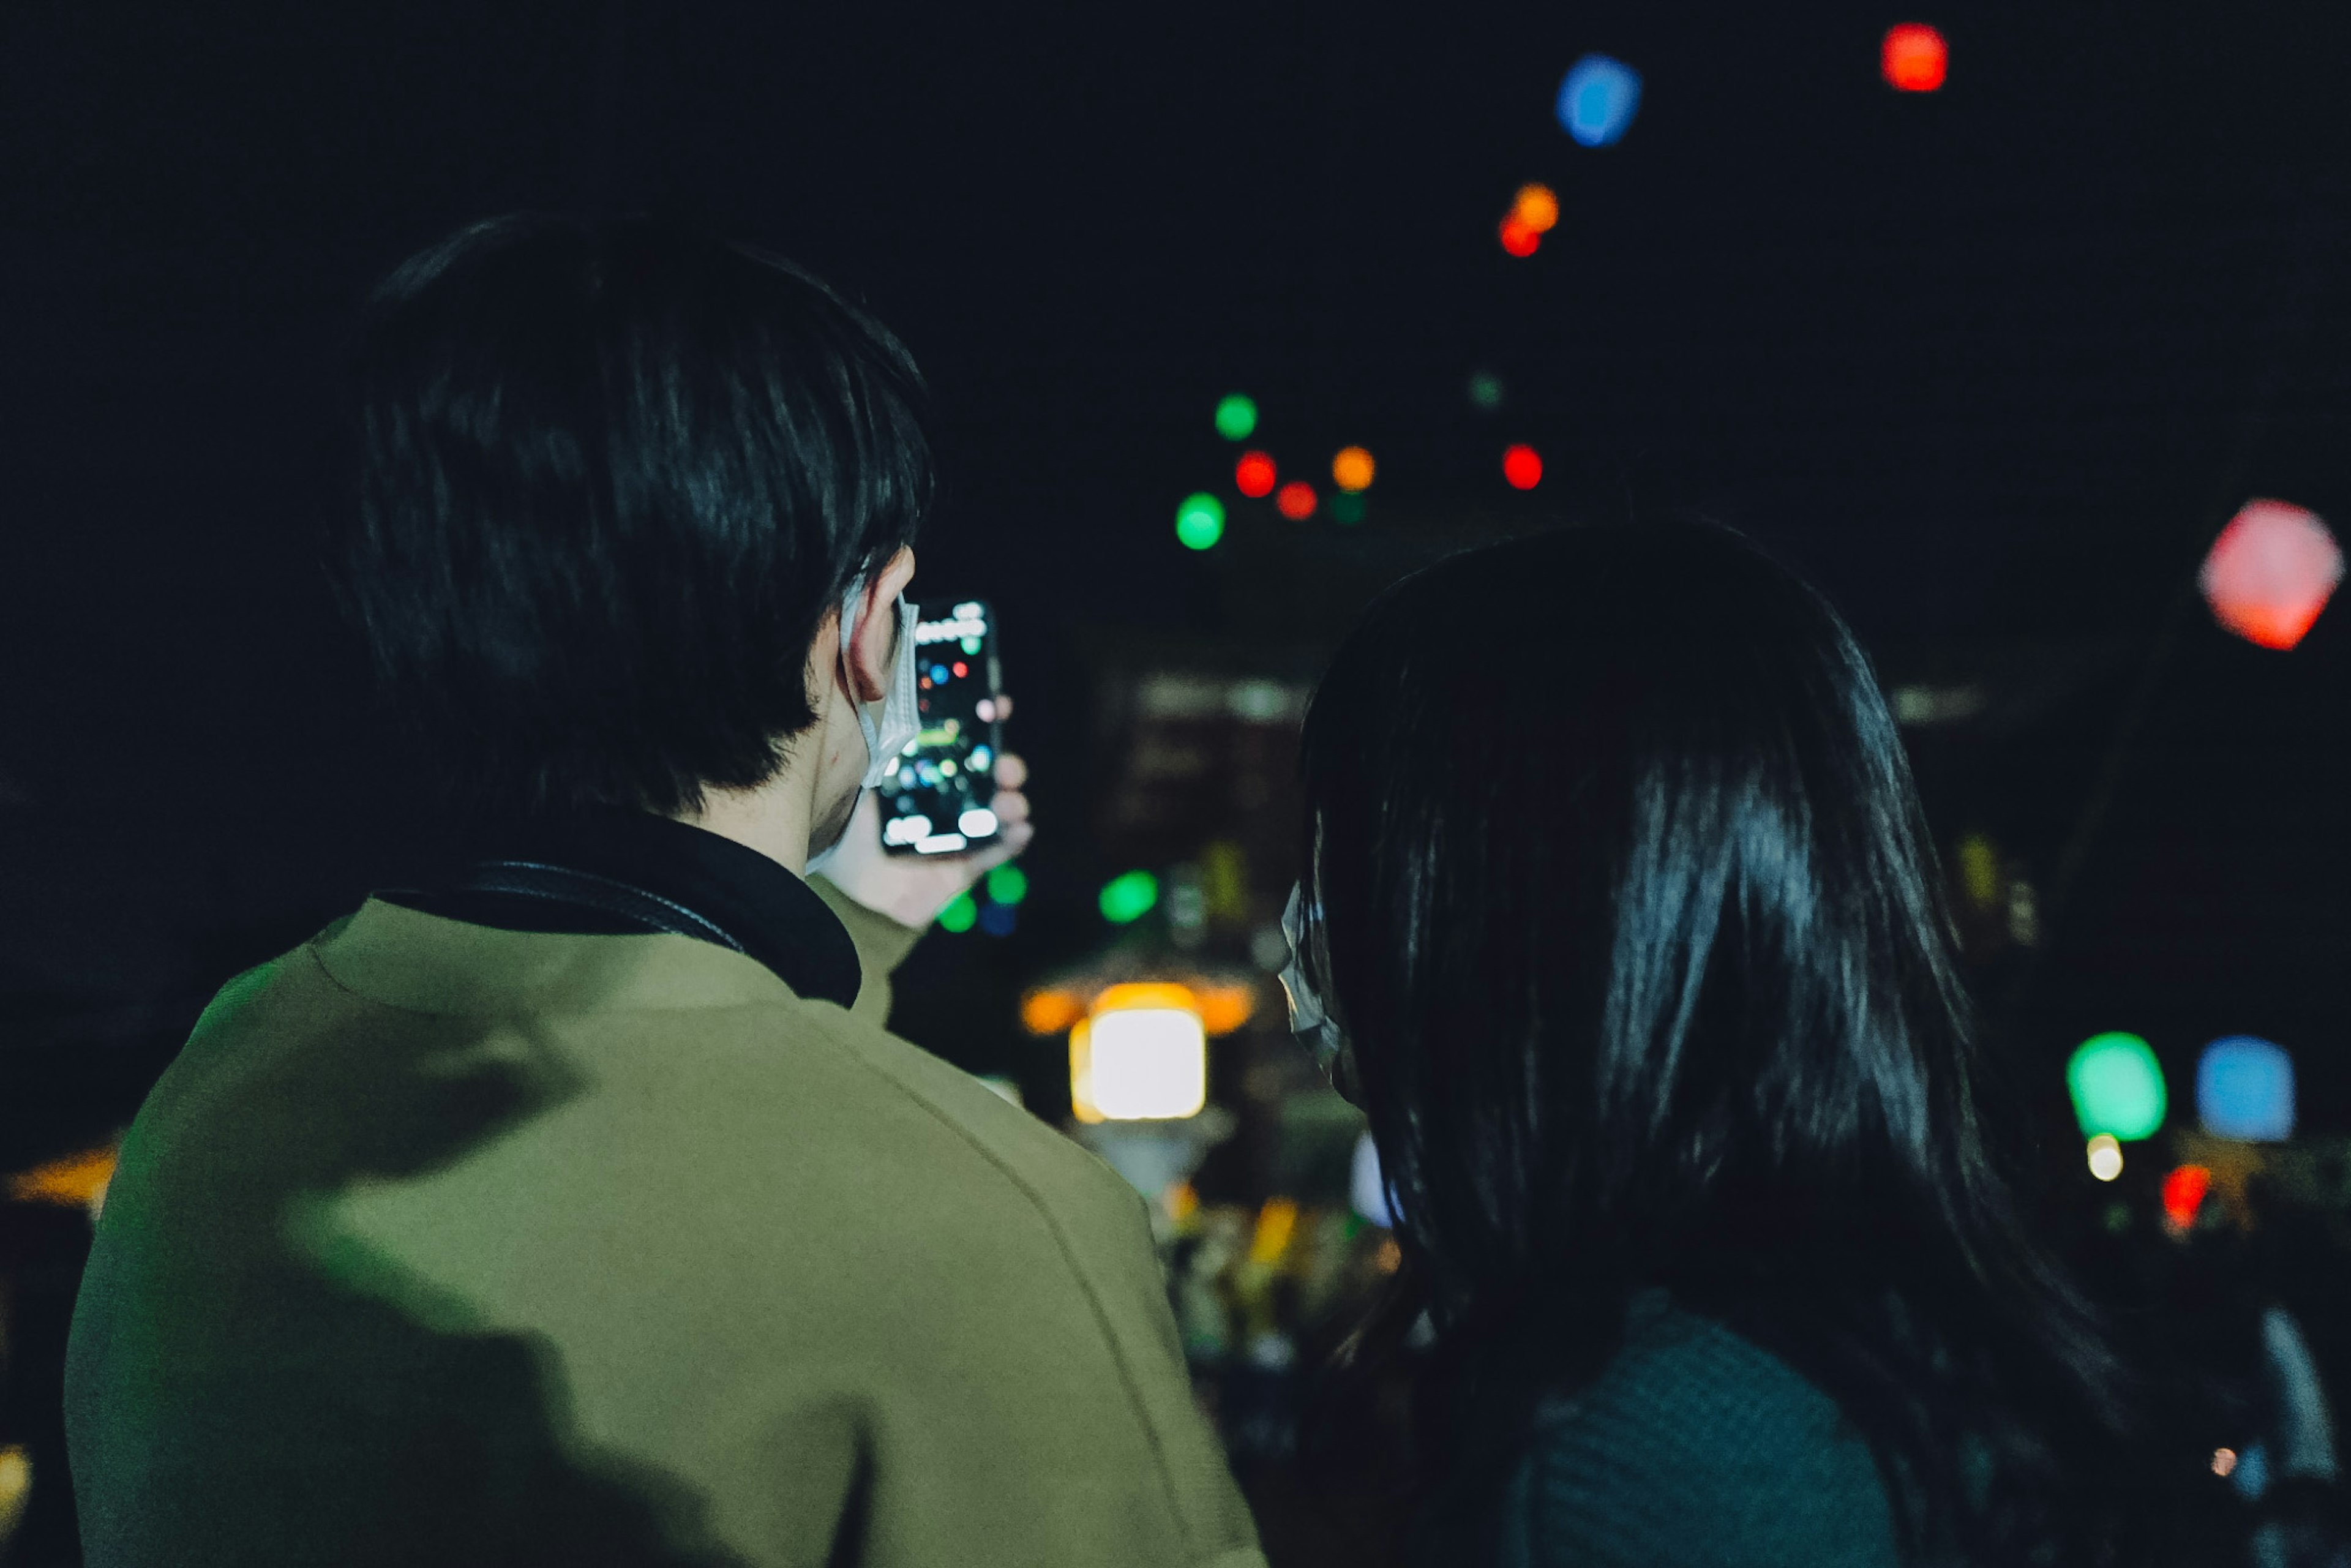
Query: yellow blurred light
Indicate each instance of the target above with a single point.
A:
(2223, 1460)
(1224, 882)
(1353, 469)
(1390, 1256)
(2105, 1157)
(1144, 994)
(1537, 207)
(1050, 1011)
(1081, 1074)
(1979, 876)
(1275, 1224)
(78, 1181)
(1182, 1202)
(16, 1488)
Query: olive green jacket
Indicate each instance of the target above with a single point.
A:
(441, 1245)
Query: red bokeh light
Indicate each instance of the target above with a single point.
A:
(1914, 59)
(1522, 466)
(1296, 501)
(2183, 1195)
(1520, 237)
(1253, 475)
(2270, 572)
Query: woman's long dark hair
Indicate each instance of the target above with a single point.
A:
(1628, 913)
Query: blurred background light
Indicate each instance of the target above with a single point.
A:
(2105, 1156)
(2183, 1196)
(1352, 468)
(1367, 1189)
(1128, 897)
(2245, 1089)
(1347, 507)
(1254, 475)
(960, 916)
(1224, 1009)
(1277, 1222)
(1236, 416)
(1139, 1058)
(1522, 467)
(1050, 1009)
(1597, 99)
(1008, 884)
(2116, 1085)
(1295, 500)
(1518, 239)
(77, 1180)
(1201, 521)
(998, 919)
(2270, 572)
(1485, 390)
(1537, 207)
(1913, 57)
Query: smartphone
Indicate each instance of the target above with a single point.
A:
(938, 802)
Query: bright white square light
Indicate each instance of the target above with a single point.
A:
(1148, 1063)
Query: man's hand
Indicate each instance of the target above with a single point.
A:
(912, 889)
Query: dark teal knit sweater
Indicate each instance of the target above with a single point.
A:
(1696, 1449)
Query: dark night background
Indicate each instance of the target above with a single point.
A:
(1992, 364)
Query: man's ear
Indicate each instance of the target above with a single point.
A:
(874, 645)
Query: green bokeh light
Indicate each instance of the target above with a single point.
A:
(960, 916)
(1129, 897)
(1485, 390)
(2116, 1086)
(1201, 521)
(1236, 416)
(1008, 884)
(1347, 507)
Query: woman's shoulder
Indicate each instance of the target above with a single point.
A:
(1695, 1445)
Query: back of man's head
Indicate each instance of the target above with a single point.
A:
(613, 474)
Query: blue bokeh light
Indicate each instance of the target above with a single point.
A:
(2244, 1089)
(1597, 99)
(997, 919)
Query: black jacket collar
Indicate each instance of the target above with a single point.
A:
(622, 873)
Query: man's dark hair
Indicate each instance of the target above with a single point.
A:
(613, 473)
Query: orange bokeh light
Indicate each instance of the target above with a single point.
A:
(1296, 501)
(1522, 467)
(1517, 238)
(1914, 59)
(1050, 1011)
(1537, 207)
(1254, 475)
(79, 1180)
(1224, 1009)
(1352, 468)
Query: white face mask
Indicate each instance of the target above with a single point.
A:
(900, 719)
(1309, 1019)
